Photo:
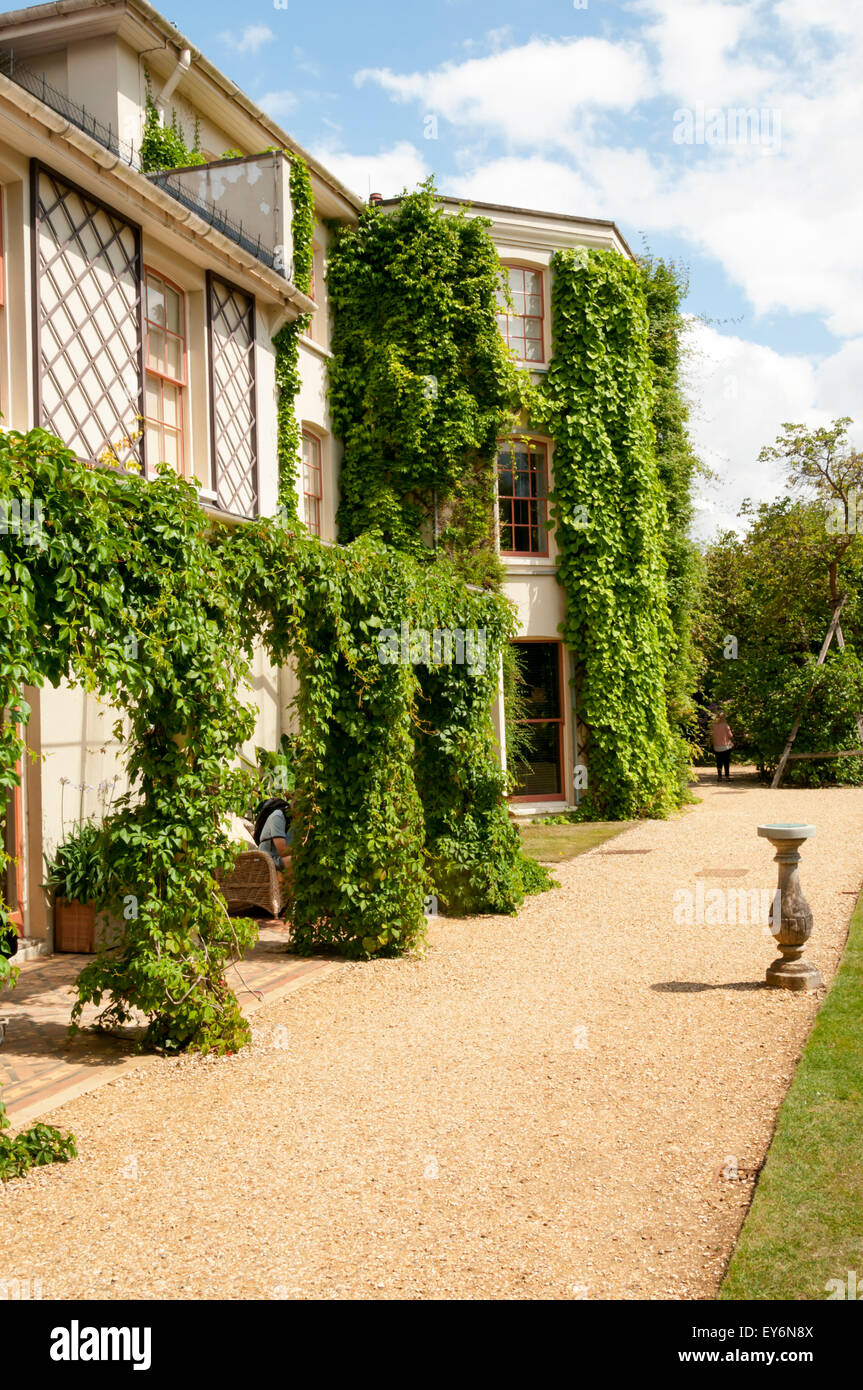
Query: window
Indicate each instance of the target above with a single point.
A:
(232, 332)
(312, 482)
(538, 766)
(521, 324)
(522, 490)
(165, 316)
(88, 312)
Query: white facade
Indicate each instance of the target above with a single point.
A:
(180, 315)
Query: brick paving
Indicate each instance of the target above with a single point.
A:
(42, 1066)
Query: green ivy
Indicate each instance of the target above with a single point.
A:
(421, 387)
(399, 791)
(164, 146)
(287, 340)
(665, 287)
(610, 512)
(421, 382)
(121, 596)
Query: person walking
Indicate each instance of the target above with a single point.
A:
(723, 742)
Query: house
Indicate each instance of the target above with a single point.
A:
(526, 241)
(137, 313)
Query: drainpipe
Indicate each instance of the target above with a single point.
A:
(184, 62)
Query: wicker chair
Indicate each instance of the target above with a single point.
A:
(253, 882)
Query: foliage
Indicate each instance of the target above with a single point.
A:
(536, 877)
(597, 403)
(276, 773)
(399, 790)
(33, 1148)
(772, 590)
(164, 146)
(287, 340)
(121, 596)
(665, 287)
(76, 870)
(421, 382)
(821, 465)
(518, 735)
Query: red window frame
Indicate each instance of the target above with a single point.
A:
(313, 473)
(512, 323)
(560, 721)
(509, 518)
(154, 375)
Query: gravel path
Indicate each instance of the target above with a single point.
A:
(567, 1104)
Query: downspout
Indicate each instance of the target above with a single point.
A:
(184, 62)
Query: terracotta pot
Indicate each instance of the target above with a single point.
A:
(74, 924)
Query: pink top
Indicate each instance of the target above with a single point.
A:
(721, 734)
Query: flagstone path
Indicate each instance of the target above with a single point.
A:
(42, 1066)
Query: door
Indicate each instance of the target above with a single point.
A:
(539, 763)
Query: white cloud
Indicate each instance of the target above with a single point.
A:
(253, 37)
(387, 172)
(534, 93)
(277, 104)
(700, 48)
(598, 138)
(744, 393)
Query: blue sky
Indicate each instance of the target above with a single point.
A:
(633, 111)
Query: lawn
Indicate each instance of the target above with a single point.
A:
(805, 1225)
(551, 844)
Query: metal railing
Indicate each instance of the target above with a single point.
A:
(105, 135)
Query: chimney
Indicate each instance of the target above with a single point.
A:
(375, 199)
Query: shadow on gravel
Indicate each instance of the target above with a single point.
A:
(695, 987)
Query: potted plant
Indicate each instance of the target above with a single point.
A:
(76, 876)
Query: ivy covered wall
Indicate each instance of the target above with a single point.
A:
(421, 382)
(610, 509)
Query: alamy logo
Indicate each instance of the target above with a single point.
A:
(22, 516)
(844, 1289)
(439, 647)
(719, 907)
(77, 1343)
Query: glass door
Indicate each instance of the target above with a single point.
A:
(538, 764)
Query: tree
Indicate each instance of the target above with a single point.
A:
(768, 602)
(820, 463)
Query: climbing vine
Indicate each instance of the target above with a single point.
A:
(287, 340)
(164, 146)
(119, 594)
(665, 286)
(421, 387)
(610, 513)
(400, 793)
(421, 382)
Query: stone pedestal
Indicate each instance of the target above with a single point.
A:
(790, 970)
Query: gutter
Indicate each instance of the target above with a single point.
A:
(172, 35)
(156, 201)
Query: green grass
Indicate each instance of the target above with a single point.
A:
(805, 1225)
(551, 844)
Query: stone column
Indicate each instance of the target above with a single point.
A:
(790, 970)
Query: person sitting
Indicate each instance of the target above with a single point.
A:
(274, 835)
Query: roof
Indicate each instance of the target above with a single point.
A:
(60, 9)
(525, 212)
